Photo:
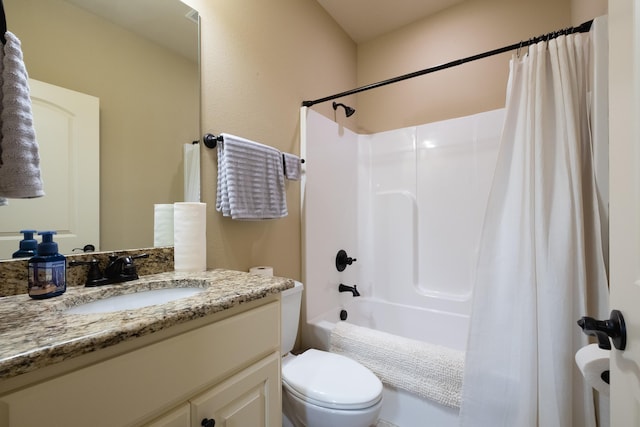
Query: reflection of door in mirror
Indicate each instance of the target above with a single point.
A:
(149, 96)
(68, 135)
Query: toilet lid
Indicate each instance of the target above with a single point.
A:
(331, 380)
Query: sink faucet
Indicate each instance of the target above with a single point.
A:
(346, 288)
(121, 268)
(94, 275)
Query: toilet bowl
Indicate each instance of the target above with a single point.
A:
(319, 388)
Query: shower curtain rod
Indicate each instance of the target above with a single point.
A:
(582, 28)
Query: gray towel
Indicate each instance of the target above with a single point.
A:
(250, 180)
(19, 157)
(292, 166)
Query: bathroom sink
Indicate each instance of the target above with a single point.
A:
(134, 300)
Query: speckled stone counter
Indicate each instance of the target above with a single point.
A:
(38, 333)
(13, 272)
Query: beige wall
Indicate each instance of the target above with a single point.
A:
(464, 30)
(584, 10)
(149, 101)
(260, 60)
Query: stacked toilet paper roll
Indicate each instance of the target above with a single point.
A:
(191, 156)
(162, 225)
(262, 270)
(593, 361)
(190, 236)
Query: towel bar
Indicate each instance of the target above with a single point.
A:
(211, 141)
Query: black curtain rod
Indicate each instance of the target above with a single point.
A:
(583, 28)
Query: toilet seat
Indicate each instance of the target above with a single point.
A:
(330, 380)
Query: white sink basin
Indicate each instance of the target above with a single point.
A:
(133, 301)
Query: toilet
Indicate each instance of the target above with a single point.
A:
(319, 388)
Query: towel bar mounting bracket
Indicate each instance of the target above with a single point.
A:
(210, 140)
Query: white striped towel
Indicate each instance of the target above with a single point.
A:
(291, 166)
(19, 156)
(429, 371)
(250, 180)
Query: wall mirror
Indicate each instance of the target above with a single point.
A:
(140, 59)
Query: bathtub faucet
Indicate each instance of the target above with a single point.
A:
(352, 289)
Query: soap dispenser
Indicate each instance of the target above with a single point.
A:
(28, 245)
(47, 270)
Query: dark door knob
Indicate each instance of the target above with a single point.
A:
(208, 422)
(613, 328)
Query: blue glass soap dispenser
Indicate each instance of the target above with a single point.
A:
(28, 245)
(47, 270)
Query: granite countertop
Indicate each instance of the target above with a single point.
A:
(37, 333)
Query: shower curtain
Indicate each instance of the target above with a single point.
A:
(541, 252)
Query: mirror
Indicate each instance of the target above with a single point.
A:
(140, 58)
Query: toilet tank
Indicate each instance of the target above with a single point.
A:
(291, 299)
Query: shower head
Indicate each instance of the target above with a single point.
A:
(348, 111)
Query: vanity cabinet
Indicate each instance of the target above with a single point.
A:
(179, 417)
(242, 400)
(227, 369)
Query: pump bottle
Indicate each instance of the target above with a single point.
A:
(28, 245)
(47, 270)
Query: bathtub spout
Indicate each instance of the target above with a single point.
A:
(352, 289)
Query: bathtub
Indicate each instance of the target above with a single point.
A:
(437, 327)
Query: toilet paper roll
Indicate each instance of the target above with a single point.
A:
(190, 236)
(593, 361)
(262, 270)
(191, 156)
(162, 225)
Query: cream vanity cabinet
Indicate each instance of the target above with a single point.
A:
(223, 368)
(242, 400)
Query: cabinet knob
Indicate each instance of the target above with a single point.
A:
(208, 422)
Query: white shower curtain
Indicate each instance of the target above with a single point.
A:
(540, 253)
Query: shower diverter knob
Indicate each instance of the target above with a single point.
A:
(342, 260)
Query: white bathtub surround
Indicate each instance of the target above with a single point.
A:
(541, 262)
(408, 204)
(429, 371)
